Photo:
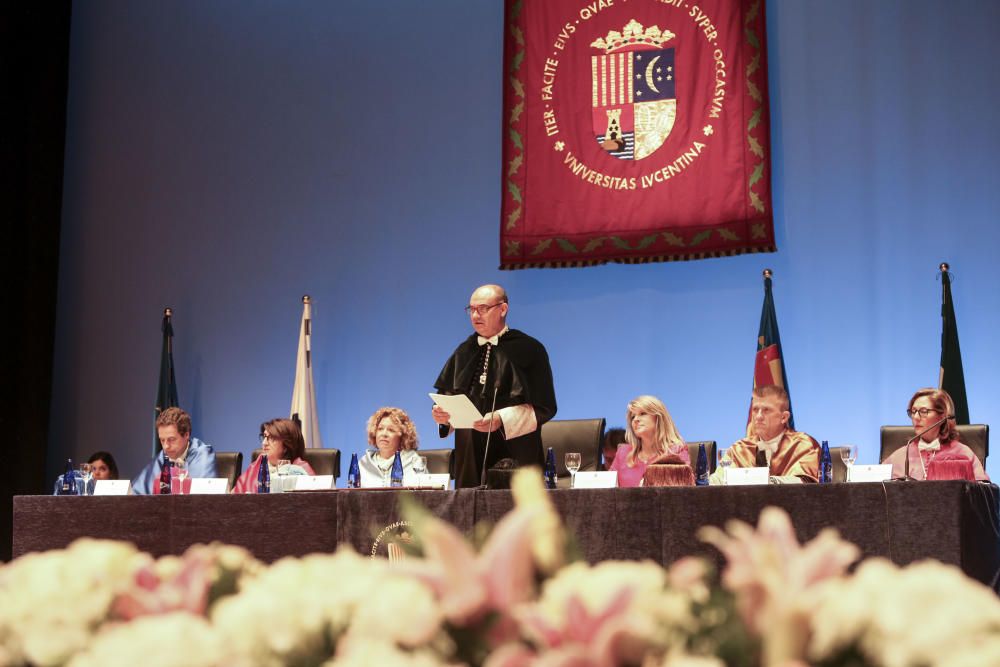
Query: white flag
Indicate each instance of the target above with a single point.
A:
(304, 391)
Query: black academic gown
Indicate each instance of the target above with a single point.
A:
(519, 371)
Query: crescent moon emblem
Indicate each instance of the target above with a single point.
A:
(649, 74)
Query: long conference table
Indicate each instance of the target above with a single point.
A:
(955, 522)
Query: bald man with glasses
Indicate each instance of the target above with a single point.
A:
(502, 367)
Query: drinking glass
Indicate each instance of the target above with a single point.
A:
(572, 464)
(180, 474)
(283, 478)
(724, 462)
(85, 474)
(849, 454)
(419, 468)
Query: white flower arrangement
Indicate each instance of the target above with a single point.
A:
(514, 603)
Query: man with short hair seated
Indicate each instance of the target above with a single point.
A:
(791, 456)
(173, 428)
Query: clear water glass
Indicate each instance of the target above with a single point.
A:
(86, 474)
(180, 474)
(572, 464)
(420, 468)
(284, 481)
(724, 462)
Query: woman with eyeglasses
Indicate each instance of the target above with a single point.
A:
(651, 437)
(390, 430)
(935, 441)
(282, 441)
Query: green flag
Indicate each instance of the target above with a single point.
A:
(166, 393)
(952, 378)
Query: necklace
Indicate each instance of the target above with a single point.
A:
(930, 459)
(486, 364)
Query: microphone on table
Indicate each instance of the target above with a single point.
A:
(906, 454)
(486, 452)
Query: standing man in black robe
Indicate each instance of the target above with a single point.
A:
(501, 365)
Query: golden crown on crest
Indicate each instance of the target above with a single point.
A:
(632, 35)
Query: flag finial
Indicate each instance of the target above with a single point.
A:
(768, 273)
(168, 311)
(306, 299)
(944, 267)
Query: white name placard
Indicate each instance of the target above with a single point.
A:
(209, 485)
(313, 482)
(111, 487)
(878, 472)
(435, 480)
(596, 479)
(746, 476)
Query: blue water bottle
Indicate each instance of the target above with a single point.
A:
(396, 478)
(825, 464)
(264, 476)
(68, 487)
(354, 473)
(701, 467)
(550, 469)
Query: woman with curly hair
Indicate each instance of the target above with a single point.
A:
(390, 430)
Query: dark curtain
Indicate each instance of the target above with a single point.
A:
(34, 56)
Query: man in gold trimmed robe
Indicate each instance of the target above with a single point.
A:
(791, 456)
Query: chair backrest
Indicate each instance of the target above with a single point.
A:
(229, 465)
(709, 450)
(839, 467)
(324, 461)
(440, 461)
(574, 435)
(974, 436)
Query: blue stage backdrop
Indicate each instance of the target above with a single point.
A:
(226, 158)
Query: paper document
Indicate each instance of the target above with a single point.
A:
(461, 409)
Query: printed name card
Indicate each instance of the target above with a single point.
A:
(313, 483)
(878, 472)
(596, 479)
(209, 485)
(746, 476)
(111, 487)
(434, 480)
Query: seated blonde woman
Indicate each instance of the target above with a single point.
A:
(282, 441)
(390, 430)
(650, 436)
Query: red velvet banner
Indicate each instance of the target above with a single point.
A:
(634, 131)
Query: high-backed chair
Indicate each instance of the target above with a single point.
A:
(709, 450)
(324, 461)
(974, 436)
(573, 435)
(229, 465)
(440, 461)
(839, 467)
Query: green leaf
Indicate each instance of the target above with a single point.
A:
(593, 244)
(754, 64)
(728, 235)
(518, 35)
(754, 119)
(620, 243)
(514, 191)
(518, 87)
(542, 246)
(752, 39)
(700, 237)
(515, 63)
(515, 164)
(646, 242)
(512, 218)
(673, 239)
(515, 112)
(756, 202)
(516, 138)
(753, 91)
(756, 174)
(567, 246)
(513, 248)
(755, 146)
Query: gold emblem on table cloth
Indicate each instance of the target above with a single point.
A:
(392, 541)
(633, 98)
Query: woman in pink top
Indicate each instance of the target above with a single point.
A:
(650, 436)
(939, 445)
(282, 440)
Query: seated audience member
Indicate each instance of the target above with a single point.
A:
(933, 411)
(791, 456)
(173, 427)
(609, 447)
(282, 441)
(390, 430)
(102, 466)
(651, 437)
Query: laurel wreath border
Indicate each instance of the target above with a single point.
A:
(678, 247)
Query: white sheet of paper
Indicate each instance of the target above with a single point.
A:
(209, 485)
(111, 487)
(746, 476)
(596, 479)
(461, 409)
(878, 472)
(313, 482)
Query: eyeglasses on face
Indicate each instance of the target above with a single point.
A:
(481, 310)
(267, 436)
(921, 412)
